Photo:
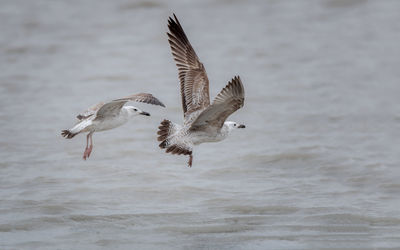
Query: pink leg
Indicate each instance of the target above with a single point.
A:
(91, 145)
(88, 148)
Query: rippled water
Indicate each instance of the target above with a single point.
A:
(316, 167)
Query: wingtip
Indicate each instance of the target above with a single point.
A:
(170, 21)
(158, 102)
(173, 20)
(236, 80)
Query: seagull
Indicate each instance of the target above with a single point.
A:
(202, 122)
(105, 116)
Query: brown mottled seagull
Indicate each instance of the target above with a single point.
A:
(105, 116)
(202, 122)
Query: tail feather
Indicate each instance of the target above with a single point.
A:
(80, 126)
(166, 134)
(166, 130)
(68, 134)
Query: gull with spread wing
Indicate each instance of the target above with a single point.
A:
(203, 122)
(105, 116)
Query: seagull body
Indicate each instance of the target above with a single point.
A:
(203, 122)
(106, 116)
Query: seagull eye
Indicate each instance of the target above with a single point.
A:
(234, 124)
(135, 109)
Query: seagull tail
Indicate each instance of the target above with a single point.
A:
(68, 134)
(165, 132)
(81, 126)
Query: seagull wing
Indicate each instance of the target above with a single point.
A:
(114, 107)
(192, 74)
(230, 99)
(110, 109)
(142, 97)
(90, 111)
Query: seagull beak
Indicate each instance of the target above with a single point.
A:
(144, 113)
(241, 126)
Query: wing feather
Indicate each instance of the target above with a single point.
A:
(90, 111)
(114, 107)
(192, 75)
(142, 97)
(230, 99)
(110, 109)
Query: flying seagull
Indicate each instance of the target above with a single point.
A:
(105, 116)
(202, 122)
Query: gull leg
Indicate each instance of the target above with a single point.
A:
(190, 160)
(91, 144)
(85, 153)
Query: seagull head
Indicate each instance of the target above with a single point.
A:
(234, 125)
(136, 111)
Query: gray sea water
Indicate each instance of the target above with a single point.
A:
(317, 166)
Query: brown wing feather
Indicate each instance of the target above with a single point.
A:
(192, 74)
(142, 97)
(230, 99)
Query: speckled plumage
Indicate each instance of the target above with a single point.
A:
(202, 122)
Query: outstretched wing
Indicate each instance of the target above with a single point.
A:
(230, 99)
(192, 75)
(90, 111)
(114, 107)
(142, 97)
(110, 109)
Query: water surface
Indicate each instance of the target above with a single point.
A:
(317, 166)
